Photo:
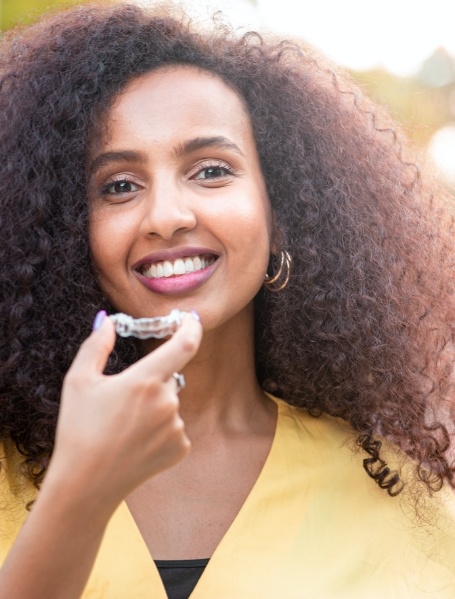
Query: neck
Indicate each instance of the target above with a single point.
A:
(222, 393)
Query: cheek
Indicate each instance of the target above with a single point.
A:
(107, 242)
(251, 228)
(98, 242)
(254, 216)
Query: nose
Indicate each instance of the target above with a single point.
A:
(167, 211)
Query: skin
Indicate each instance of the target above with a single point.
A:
(139, 408)
(173, 202)
(132, 423)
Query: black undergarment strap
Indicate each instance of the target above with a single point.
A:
(180, 576)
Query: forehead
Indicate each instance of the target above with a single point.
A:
(177, 101)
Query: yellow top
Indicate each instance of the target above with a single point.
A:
(313, 526)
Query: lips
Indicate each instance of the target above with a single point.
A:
(176, 271)
(177, 267)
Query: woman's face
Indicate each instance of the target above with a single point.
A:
(179, 211)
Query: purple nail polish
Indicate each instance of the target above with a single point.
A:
(195, 315)
(99, 319)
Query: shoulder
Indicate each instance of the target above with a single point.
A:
(15, 493)
(14, 487)
(341, 498)
(323, 434)
(332, 444)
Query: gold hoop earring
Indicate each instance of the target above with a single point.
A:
(283, 274)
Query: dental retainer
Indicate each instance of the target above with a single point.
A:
(146, 328)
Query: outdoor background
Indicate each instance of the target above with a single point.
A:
(401, 51)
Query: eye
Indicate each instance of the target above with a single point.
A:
(119, 187)
(211, 171)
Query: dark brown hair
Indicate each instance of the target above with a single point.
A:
(363, 331)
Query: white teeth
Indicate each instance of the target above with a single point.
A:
(189, 265)
(168, 269)
(180, 266)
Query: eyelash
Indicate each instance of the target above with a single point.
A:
(200, 169)
(214, 165)
(105, 188)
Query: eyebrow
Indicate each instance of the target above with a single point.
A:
(109, 157)
(187, 147)
(199, 143)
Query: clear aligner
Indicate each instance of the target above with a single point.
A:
(145, 328)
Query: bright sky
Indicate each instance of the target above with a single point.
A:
(397, 34)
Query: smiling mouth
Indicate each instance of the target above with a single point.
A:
(177, 268)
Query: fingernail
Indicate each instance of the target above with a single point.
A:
(99, 319)
(195, 315)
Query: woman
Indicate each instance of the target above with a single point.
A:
(146, 168)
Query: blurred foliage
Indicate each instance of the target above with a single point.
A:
(423, 103)
(19, 12)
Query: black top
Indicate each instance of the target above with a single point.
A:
(180, 576)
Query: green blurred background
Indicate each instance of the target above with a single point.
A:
(423, 103)
(23, 11)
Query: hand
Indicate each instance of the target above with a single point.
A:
(116, 431)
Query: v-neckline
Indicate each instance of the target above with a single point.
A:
(227, 543)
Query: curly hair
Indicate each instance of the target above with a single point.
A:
(363, 331)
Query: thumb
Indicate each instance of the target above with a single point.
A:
(94, 351)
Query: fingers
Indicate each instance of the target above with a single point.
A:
(173, 355)
(94, 351)
(170, 357)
